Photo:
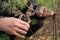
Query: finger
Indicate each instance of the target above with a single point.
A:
(25, 23)
(41, 11)
(52, 12)
(18, 35)
(45, 13)
(8, 30)
(20, 26)
(19, 31)
(49, 13)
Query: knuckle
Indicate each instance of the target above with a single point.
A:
(27, 24)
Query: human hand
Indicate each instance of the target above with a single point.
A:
(14, 26)
(44, 12)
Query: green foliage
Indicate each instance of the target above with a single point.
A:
(4, 37)
(11, 4)
(47, 3)
(20, 3)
